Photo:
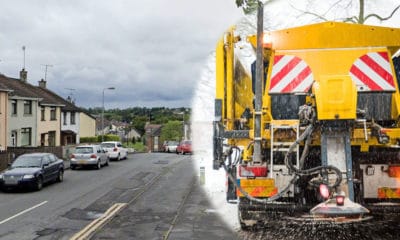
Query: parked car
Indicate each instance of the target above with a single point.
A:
(115, 150)
(33, 170)
(170, 146)
(184, 147)
(89, 155)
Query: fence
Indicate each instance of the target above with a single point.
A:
(8, 156)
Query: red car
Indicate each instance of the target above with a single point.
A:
(184, 147)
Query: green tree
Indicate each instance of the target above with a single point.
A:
(172, 130)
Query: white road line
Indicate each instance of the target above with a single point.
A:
(23, 212)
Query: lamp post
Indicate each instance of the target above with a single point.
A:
(102, 114)
(183, 125)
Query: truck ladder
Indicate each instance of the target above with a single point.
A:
(283, 146)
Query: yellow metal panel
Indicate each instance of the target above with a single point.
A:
(220, 74)
(259, 191)
(336, 35)
(336, 97)
(386, 192)
(268, 182)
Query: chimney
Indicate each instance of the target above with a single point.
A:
(42, 83)
(23, 75)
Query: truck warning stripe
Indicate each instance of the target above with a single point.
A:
(372, 72)
(290, 74)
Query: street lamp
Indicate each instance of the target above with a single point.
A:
(102, 114)
(183, 125)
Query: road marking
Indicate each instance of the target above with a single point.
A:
(92, 227)
(23, 212)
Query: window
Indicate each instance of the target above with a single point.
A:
(53, 113)
(14, 107)
(43, 114)
(52, 158)
(27, 107)
(65, 118)
(26, 134)
(72, 118)
(52, 138)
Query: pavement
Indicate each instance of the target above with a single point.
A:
(175, 207)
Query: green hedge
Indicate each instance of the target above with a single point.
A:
(97, 139)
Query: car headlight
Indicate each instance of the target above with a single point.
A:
(28, 176)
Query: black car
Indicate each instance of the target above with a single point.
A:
(32, 170)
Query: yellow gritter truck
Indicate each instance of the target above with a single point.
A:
(329, 122)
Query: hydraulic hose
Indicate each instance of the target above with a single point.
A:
(298, 172)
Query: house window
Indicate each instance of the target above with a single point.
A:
(65, 118)
(43, 114)
(53, 113)
(52, 138)
(27, 107)
(72, 118)
(14, 107)
(26, 134)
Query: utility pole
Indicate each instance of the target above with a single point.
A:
(258, 85)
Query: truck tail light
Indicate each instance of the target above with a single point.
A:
(394, 171)
(340, 200)
(93, 156)
(72, 156)
(250, 171)
(324, 191)
(115, 149)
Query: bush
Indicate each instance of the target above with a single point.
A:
(88, 139)
(108, 137)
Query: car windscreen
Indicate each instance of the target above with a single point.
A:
(108, 145)
(172, 143)
(27, 161)
(84, 150)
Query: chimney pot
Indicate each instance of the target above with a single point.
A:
(23, 75)
(42, 83)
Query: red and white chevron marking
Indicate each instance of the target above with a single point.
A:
(290, 74)
(372, 72)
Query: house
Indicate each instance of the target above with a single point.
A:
(68, 115)
(36, 116)
(22, 114)
(4, 92)
(87, 125)
(48, 122)
(153, 133)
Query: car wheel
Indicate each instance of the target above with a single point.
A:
(168, 150)
(182, 152)
(60, 177)
(73, 167)
(98, 166)
(39, 183)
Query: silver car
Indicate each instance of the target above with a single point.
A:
(89, 155)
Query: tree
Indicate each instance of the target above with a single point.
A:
(249, 6)
(173, 130)
(360, 18)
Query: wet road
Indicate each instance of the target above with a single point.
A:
(162, 198)
(379, 228)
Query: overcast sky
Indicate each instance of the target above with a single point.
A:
(152, 52)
